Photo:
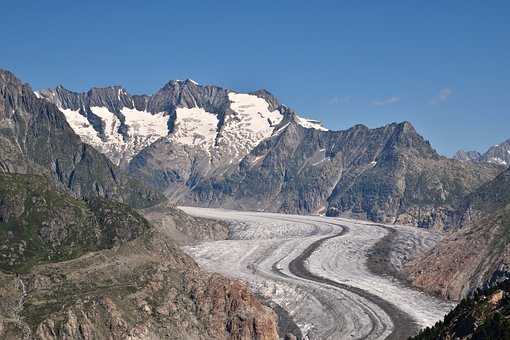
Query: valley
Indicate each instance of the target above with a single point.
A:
(325, 271)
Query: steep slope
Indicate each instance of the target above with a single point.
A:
(484, 316)
(476, 254)
(72, 269)
(35, 137)
(388, 174)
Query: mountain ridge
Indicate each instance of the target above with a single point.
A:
(223, 148)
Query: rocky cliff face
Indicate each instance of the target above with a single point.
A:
(73, 269)
(35, 137)
(468, 156)
(477, 253)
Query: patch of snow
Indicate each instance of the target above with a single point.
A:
(37, 94)
(256, 159)
(194, 82)
(321, 161)
(195, 126)
(497, 160)
(373, 163)
(146, 124)
(310, 124)
(281, 129)
(250, 123)
(82, 127)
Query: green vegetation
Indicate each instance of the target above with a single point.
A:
(486, 315)
(40, 223)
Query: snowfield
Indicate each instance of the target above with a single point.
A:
(316, 268)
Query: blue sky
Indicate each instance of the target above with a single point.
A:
(443, 65)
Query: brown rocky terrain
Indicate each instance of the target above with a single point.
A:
(118, 278)
(183, 228)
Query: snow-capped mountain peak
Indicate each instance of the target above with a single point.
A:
(223, 123)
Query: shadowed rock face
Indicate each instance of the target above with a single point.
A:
(477, 254)
(97, 269)
(35, 137)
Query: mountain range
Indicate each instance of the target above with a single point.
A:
(208, 146)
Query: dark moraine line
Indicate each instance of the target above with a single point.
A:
(379, 261)
(404, 325)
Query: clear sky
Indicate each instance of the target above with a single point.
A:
(443, 65)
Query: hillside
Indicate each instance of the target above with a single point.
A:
(475, 254)
(97, 269)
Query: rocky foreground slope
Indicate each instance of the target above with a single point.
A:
(74, 269)
(477, 253)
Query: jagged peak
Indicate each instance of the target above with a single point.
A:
(406, 126)
(8, 77)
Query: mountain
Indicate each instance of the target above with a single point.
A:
(497, 154)
(219, 122)
(96, 269)
(388, 174)
(35, 137)
(210, 146)
(483, 316)
(477, 252)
